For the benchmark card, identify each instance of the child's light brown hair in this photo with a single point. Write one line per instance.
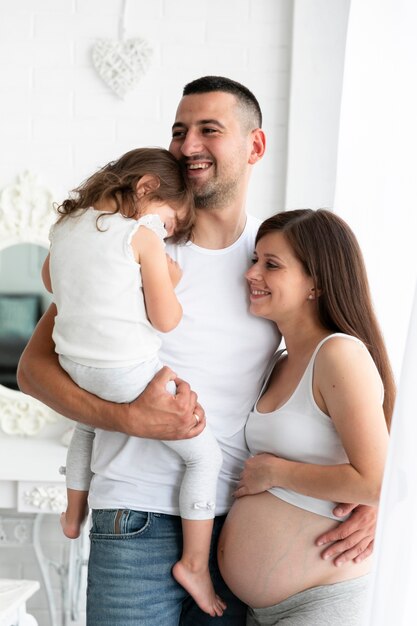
(118, 179)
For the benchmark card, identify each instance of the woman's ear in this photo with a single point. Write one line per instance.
(313, 294)
(146, 184)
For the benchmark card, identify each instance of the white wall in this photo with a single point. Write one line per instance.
(318, 47)
(60, 121)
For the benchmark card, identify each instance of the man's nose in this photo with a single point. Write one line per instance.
(192, 143)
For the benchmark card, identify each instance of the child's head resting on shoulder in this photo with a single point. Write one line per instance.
(130, 184)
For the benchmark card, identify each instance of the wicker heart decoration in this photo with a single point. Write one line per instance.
(121, 63)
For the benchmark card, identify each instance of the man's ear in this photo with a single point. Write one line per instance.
(258, 146)
(146, 184)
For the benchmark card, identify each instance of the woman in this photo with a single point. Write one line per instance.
(318, 434)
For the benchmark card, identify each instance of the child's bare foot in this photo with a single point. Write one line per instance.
(71, 526)
(198, 584)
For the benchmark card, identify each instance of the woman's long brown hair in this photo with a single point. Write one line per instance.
(117, 181)
(330, 254)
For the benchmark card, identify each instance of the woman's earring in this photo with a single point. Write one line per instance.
(310, 297)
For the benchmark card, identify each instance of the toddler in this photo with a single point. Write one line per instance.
(113, 287)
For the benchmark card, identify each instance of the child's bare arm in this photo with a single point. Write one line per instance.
(162, 306)
(46, 276)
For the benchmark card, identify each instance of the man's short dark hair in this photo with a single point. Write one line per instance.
(245, 97)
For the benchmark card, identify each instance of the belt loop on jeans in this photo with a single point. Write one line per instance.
(119, 514)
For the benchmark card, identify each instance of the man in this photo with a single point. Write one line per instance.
(218, 348)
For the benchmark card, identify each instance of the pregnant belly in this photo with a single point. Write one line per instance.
(267, 551)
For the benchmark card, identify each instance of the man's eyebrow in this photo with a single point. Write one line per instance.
(199, 123)
(211, 121)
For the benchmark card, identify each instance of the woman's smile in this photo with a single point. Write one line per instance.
(255, 294)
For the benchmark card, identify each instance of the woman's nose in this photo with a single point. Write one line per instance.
(252, 273)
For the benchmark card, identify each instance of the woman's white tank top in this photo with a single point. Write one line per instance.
(299, 431)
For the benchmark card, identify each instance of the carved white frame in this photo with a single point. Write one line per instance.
(26, 215)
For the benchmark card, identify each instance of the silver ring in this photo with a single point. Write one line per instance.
(197, 419)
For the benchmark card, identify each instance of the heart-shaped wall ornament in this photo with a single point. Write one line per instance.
(121, 63)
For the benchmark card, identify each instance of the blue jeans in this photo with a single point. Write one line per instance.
(129, 573)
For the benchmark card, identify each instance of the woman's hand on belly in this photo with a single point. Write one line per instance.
(259, 474)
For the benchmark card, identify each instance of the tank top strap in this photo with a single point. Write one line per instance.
(307, 377)
(305, 384)
(154, 223)
(275, 358)
(323, 341)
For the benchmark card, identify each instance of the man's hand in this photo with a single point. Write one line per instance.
(156, 414)
(352, 540)
(167, 417)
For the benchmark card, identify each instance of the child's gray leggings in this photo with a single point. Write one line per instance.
(201, 455)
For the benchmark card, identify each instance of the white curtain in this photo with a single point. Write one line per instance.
(376, 192)
(394, 578)
(376, 184)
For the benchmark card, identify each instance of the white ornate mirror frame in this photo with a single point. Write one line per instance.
(26, 215)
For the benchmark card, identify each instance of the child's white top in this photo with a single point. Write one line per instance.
(97, 288)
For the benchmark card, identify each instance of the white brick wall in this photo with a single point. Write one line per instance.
(60, 121)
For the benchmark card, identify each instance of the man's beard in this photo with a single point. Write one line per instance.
(215, 195)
